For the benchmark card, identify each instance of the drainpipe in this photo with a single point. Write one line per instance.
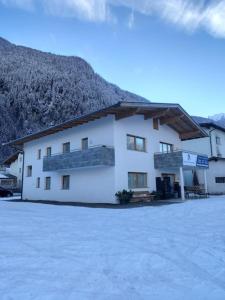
(22, 175)
(210, 139)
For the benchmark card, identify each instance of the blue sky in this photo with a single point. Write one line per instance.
(172, 51)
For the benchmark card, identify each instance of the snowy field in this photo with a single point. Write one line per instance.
(61, 252)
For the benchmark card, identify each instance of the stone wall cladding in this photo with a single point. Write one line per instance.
(168, 160)
(98, 156)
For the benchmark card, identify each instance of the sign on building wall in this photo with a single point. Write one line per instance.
(202, 161)
(194, 160)
(189, 159)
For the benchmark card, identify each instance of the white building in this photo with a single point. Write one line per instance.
(124, 146)
(214, 147)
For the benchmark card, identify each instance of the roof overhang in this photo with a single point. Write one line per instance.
(11, 158)
(169, 114)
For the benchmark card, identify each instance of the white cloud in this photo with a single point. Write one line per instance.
(24, 4)
(130, 22)
(188, 14)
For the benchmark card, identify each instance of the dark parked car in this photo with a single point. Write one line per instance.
(5, 192)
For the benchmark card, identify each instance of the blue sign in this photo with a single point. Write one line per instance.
(202, 161)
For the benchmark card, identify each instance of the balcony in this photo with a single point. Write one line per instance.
(96, 156)
(180, 158)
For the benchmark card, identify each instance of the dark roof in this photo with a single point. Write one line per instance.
(11, 158)
(206, 122)
(171, 114)
(7, 176)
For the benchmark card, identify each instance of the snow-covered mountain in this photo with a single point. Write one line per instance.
(40, 89)
(219, 118)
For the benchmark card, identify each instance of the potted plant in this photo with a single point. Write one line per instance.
(124, 196)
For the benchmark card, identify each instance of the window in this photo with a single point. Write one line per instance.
(135, 143)
(38, 181)
(29, 171)
(20, 170)
(48, 151)
(220, 179)
(47, 183)
(39, 154)
(84, 144)
(66, 147)
(156, 124)
(137, 180)
(218, 140)
(65, 182)
(166, 148)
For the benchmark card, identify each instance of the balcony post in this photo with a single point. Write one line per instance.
(182, 183)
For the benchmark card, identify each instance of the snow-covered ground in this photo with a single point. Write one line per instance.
(73, 253)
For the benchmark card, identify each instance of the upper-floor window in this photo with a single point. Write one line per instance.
(84, 143)
(156, 123)
(137, 180)
(136, 143)
(66, 147)
(38, 182)
(166, 148)
(48, 151)
(39, 154)
(48, 183)
(66, 182)
(29, 171)
(218, 140)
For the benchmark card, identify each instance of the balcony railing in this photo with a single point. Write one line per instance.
(96, 156)
(180, 158)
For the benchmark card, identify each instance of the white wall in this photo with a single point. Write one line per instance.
(135, 161)
(98, 184)
(16, 169)
(216, 169)
(86, 185)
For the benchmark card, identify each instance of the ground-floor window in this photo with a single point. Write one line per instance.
(38, 182)
(220, 179)
(65, 182)
(137, 180)
(47, 183)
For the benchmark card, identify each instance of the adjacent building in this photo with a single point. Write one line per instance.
(13, 167)
(135, 146)
(213, 145)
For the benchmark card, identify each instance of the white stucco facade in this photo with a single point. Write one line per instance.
(16, 168)
(214, 147)
(97, 184)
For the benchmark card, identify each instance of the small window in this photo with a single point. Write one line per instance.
(39, 154)
(48, 151)
(137, 180)
(65, 182)
(29, 171)
(84, 144)
(66, 147)
(135, 143)
(220, 179)
(218, 140)
(166, 148)
(156, 124)
(38, 182)
(20, 170)
(47, 183)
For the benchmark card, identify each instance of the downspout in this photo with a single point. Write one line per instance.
(21, 198)
(210, 139)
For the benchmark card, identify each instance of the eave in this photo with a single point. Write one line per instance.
(169, 114)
